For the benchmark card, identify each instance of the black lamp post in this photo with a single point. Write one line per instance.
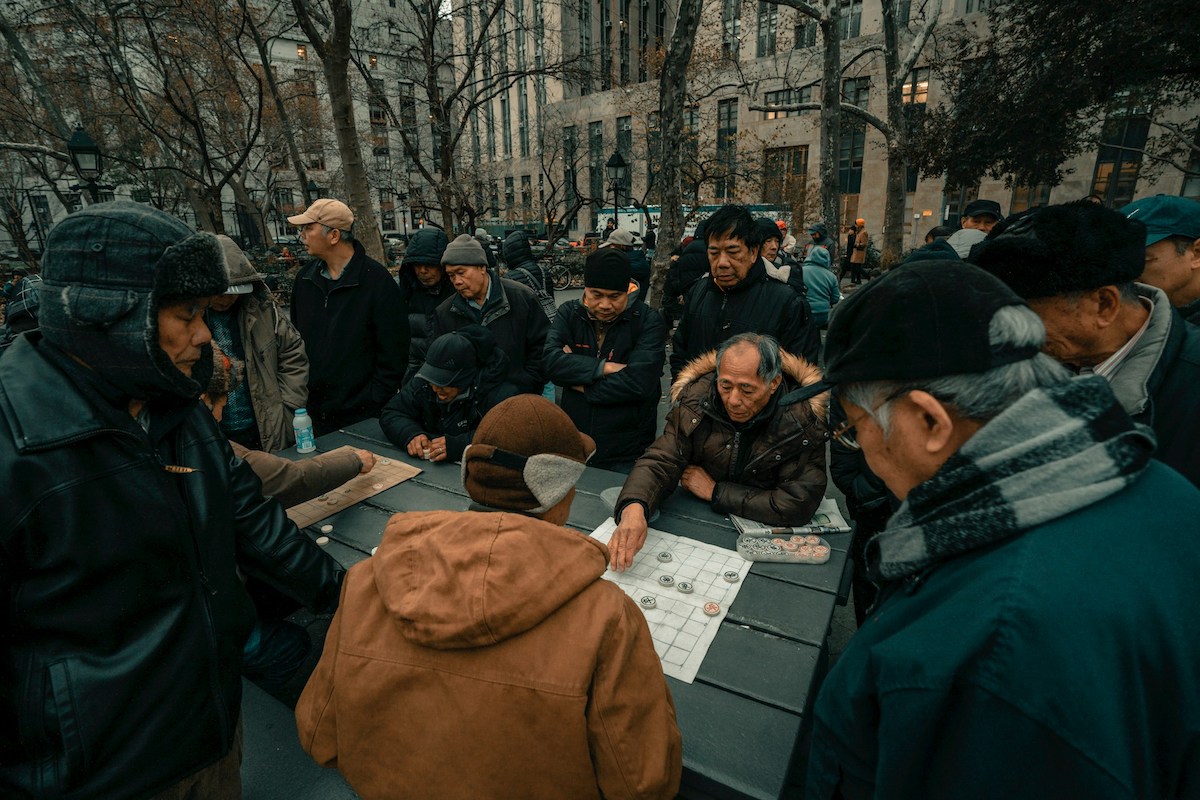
(616, 168)
(403, 198)
(88, 162)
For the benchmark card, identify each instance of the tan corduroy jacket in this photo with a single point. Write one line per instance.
(481, 655)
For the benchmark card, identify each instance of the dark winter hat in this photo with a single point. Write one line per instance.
(926, 319)
(526, 455)
(465, 251)
(1165, 215)
(426, 246)
(1062, 249)
(607, 269)
(977, 208)
(107, 270)
(242, 275)
(451, 361)
(769, 229)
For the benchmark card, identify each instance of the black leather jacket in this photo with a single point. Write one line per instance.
(122, 617)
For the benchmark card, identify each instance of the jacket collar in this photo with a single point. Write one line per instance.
(757, 274)
(351, 274)
(496, 304)
(1138, 376)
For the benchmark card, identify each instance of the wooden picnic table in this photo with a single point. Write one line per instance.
(745, 716)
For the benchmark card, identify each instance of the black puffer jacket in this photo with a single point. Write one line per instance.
(758, 304)
(417, 410)
(122, 616)
(619, 411)
(521, 267)
(691, 266)
(514, 317)
(356, 334)
(426, 246)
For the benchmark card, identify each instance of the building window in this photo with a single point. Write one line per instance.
(954, 201)
(916, 88)
(383, 160)
(850, 157)
(301, 52)
(408, 106)
(605, 46)
(768, 24)
(731, 22)
(851, 19)
(785, 175)
(856, 91)
(804, 34)
(510, 195)
(373, 60)
(505, 124)
(596, 159)
(786, 97)
(527, 195)
(523, 119)
(378, 114)
(624, 42)
(625, 136)
(903, 11)
(585, 46)
(1191, 180)
(1120, 158)
(1027, 197)
(727, 120)
(979, 5)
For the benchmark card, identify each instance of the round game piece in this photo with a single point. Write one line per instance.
(665, 556)
(732, 576)
(820, 551)
(322, 540)
(322, 497)
(791, 547)
(774, 548)
(684, 587)
(426, 453)
(333, 501)
(806, 551)
(798, 539)
(812, 539)
(326, 528)
(647, 602)
(385, 461)
(712, 609)
(377, 486)
(666, 580)
(373, 549)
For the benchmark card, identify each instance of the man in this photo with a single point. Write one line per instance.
(789, 242)
(739, 297)
(21, 311)
(686, 269)
(818, 236)
(630, 243)
(123, 615)
(523, 268)
(481, 654)
(14, 282)
(981, 215)
(349, 312)
(1076, 266)
(851, 235)
(821, 285)
(650, 241)
(1018, 648)
(606, 351)
(508, 309)
(423, 287)
(858, 256)
(778, 264)
(1172, 249)
(436, 413)
(746, 435)
(248, 326)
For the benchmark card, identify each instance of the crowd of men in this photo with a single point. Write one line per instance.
(1013, 410)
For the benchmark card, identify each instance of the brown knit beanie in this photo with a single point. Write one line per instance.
(465, 251)
(526, 455)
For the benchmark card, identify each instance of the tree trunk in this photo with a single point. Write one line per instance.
(672, 99)
(831, 120)
(897, 140)
(893, 214)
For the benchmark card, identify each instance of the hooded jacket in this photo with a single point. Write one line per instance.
(522, 268)
(356, 334)
(823, 290)
(424, 247)
(620, 410)
(823, 240)
(514, 316)
(757, 304)
(778, 479)
(482, 655)
(122, 616)
(691, 266)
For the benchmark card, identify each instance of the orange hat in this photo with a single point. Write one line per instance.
(781, 224)
(860, 222)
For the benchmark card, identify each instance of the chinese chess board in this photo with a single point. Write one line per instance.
(385, 474)
(691, 584)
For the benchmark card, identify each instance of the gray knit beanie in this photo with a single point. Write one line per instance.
(106, 272)
(465, 251)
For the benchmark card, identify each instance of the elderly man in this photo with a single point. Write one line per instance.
(1076, 265)
(348, 309)
(606, 351)
(445, 673)
(1172, 249)
(746, 435)
(630, 244)
(127, 515)
(1028, 640)
(506, 308)
(739, 297)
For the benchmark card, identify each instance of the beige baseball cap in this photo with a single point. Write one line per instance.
(326, 211)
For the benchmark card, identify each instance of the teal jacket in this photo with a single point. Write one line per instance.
(1062, 663)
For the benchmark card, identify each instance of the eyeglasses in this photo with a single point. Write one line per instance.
(844, 435)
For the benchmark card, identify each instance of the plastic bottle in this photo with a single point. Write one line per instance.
(302, 424)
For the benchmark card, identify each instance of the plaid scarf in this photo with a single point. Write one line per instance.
(1052, 452)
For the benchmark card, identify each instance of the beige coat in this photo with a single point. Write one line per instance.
(480, 654)
(276, 367)
(859, 254)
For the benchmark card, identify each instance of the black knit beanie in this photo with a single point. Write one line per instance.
(106, 272)
(607, 269)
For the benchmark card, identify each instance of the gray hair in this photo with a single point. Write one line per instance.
(770, 362)
(981, 396)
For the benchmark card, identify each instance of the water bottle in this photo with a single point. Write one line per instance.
(302, 424)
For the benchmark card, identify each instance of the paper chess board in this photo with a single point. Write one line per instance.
(385, 474)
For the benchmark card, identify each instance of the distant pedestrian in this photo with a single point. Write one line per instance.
(423, 287)
(858, 256)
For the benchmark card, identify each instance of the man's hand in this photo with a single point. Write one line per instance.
(611, 367)
(367, 458)
(698, 482)
(437, 449)
(418, 445)
(567, 348)
(628, 538)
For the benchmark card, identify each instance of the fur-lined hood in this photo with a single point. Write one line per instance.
(796, 371)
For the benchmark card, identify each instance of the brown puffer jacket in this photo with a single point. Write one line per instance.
(783, 478)
(482, 655)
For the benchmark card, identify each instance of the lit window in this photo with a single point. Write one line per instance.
(374, 59)
(301, 51)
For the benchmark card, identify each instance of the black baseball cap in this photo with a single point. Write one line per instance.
(449, 362)
(977, 208)
(925, 319)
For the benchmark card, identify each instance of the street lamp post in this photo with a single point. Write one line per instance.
(616, 168)
(403, 198)
(88, 162)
